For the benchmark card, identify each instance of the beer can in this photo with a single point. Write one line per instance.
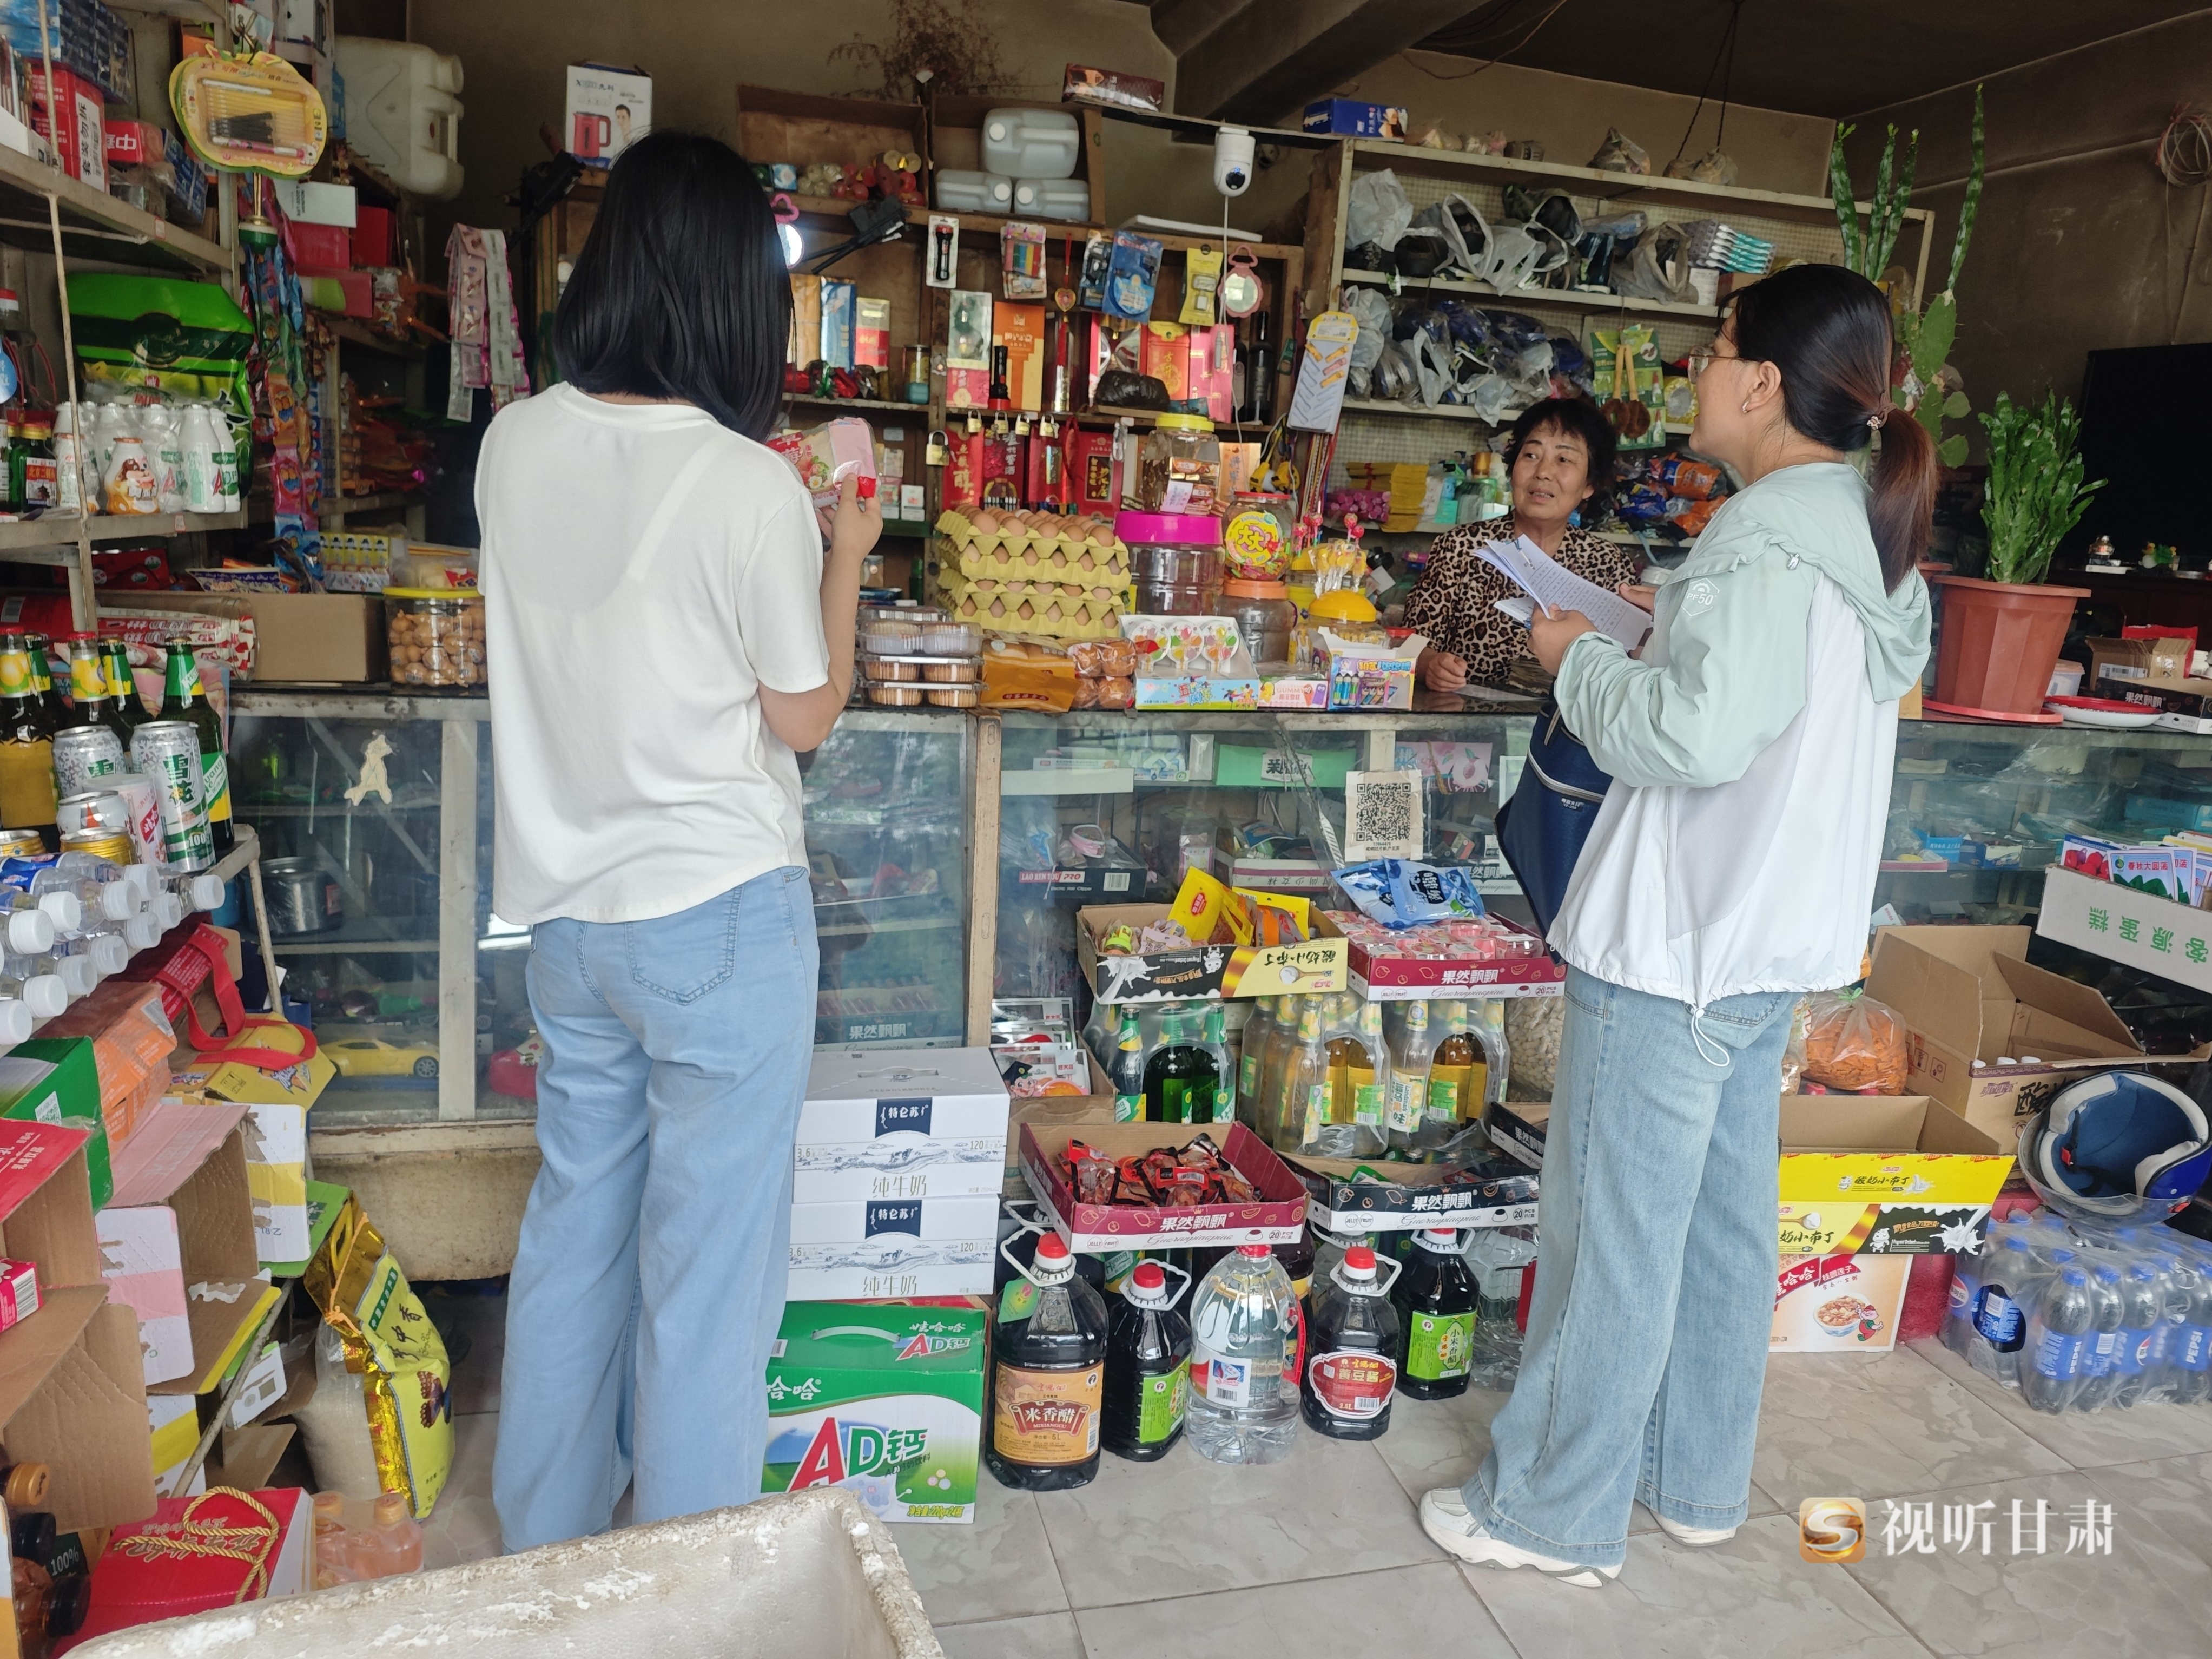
(115, 846)
(142, 813)
(22, 844)
(168, 751)
(96, 812)
(85, 757)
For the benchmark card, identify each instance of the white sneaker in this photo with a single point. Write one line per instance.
(1445, 1518)
(1696, 1537)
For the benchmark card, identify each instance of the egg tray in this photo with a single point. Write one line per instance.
(1082, 565)
(952, 584)
(1013, 532)
(1038, 613)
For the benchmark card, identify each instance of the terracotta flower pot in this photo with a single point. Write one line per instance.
(2000, 642)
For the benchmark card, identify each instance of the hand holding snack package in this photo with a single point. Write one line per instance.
(1853, 1044)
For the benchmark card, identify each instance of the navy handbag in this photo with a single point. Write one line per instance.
(1542, 829)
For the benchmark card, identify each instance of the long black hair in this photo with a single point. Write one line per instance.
(1574, 417)
(681, 290)
(1827, 330)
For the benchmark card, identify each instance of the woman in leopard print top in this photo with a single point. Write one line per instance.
(1560, 458)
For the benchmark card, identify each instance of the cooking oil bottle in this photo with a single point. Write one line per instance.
(1358, 1083)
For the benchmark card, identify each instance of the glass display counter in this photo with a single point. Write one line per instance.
(375, 816)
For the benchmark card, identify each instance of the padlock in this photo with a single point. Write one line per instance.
(936, 451)
(1021, 426)
(975, 424)
(1048, 429)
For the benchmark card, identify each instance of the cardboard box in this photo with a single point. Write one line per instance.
(82, 144)
(2166, 660)
(174, 1140)
(866, 1248)
(144, 1268)
(306, 202)
(1837, 1303)
(1213, 971)
(275, 1132)
(134, 1585)
(1367, 676)
(175, 1423)
(1883, 1175)
(2161, 936)
(57, 1080)
(1278, 1218)
(324, 1200)
(1518, 1127)
(225, 1296)
(886, 1402)
(607, 111)
(1493, 1193)
(46, 1204)
(1420, 978)
(1969, 994)
(323, 638)
(891, 1124)
(1349, 118)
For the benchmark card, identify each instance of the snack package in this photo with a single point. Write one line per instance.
(1131, 276)
(1402, 893)
(1854, 1044)
(823, 455)
(1027, 677)
(1687, 477)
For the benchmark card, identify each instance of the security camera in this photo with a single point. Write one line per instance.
(1232, 160)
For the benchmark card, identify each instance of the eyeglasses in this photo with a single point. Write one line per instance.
(1710, 354)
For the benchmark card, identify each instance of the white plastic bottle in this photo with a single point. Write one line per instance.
(128, 485)
(165, 443)
(1243, 1400)
(41, 995)
(225, 434)
(203, 475)
(68, 461)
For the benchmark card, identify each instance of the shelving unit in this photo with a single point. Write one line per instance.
(1580, 298)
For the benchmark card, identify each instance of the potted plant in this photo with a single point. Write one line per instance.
(2002, 635)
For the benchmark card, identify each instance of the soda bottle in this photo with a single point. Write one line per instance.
(1958, 1314)
(2059, 1324)
(28, 800)
(1243, 1409)
(1346, 1393)
(1180, 1077)
(42, 677)
(1251, 1055)
(1436, 1296)
(2139, 1356)
(1147, 1367)
(87, 685)
(184, 699)
(1126, 1073)
(1411, 1058)
(1465, 1065)
(2100, 1375)
(1050, 1344)
(2189, 1338)
(1213, 1035)
(127, 709)
(1999, 1321)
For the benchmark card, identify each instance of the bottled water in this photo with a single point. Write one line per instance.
(2100, 1361)
(2059, 1326)
(2140, 1356)
(1243, 1402)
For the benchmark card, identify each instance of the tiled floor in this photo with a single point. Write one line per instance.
(1320, 1555)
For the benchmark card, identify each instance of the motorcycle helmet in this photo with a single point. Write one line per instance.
(2120, 1147)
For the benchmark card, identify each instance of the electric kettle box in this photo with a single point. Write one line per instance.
(901, 1124)
(608, 110)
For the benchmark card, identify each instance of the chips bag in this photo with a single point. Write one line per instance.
(1854, 1044)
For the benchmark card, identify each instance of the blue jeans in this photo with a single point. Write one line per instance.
(648, 1284)
(1646, 1348)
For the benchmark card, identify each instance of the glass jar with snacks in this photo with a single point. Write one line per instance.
(1174, 562)
(1256, 537)
(1265, 617)
(1178, 469)
(436, 637)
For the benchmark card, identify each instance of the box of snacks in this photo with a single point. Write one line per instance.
(1480, 956)
(1213, 941)
(1353, 1195)
(1131, 1186)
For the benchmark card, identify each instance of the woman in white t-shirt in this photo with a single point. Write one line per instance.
(664, 633)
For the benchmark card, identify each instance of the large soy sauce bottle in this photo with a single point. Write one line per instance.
(1346, 1392)
(1147, 1367)
(1050, 1353)
(1436, 1299)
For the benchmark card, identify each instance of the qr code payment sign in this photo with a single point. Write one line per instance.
(1381, 815)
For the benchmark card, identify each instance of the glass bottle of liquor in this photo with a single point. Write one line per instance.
(1259, 374)
(42, 676)
(183, 698)
(27, 743)
(126, 709)
(88, 686)
(1180, 1077)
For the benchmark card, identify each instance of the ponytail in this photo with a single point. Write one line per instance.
(1826, 330)
(1903, 480)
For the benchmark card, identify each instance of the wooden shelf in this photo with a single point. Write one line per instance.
(1581, 298)
(21, 539)
(189, 11)
(1705, 200)
(883, 406)
(96, 226)
(351, 506)
(1426, 412)
(354, 332)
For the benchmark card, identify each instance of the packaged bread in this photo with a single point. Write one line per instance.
(1030, 676)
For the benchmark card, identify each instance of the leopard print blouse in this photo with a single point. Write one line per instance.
(1455, 603)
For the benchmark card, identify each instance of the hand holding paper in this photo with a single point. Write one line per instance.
(1555, 587)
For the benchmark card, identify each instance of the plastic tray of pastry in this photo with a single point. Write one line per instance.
(908, 633)
(911, 693)
(936, 670)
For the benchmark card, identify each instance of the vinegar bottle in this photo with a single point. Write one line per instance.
(1049, 1383)
(1147, 1369)
(1436, 1296)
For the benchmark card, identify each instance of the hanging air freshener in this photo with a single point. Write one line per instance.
(1242, 292)
(1201, 281)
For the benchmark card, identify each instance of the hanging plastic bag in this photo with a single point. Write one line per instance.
(1659, 269)
(1376, 211)
(1853, 1044)
(1793, 1055)
(1371, 308)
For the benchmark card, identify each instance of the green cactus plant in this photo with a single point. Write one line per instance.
(1924, 336)
(2035, 492)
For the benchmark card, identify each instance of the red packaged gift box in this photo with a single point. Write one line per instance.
(214, 1551)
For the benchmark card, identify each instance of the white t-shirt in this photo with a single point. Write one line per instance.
(645, 570)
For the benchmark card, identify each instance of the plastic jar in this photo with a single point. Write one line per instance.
(1256, 537)
(436, 636)
(1266, 619)
(1178, 469)
(1174, 562)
